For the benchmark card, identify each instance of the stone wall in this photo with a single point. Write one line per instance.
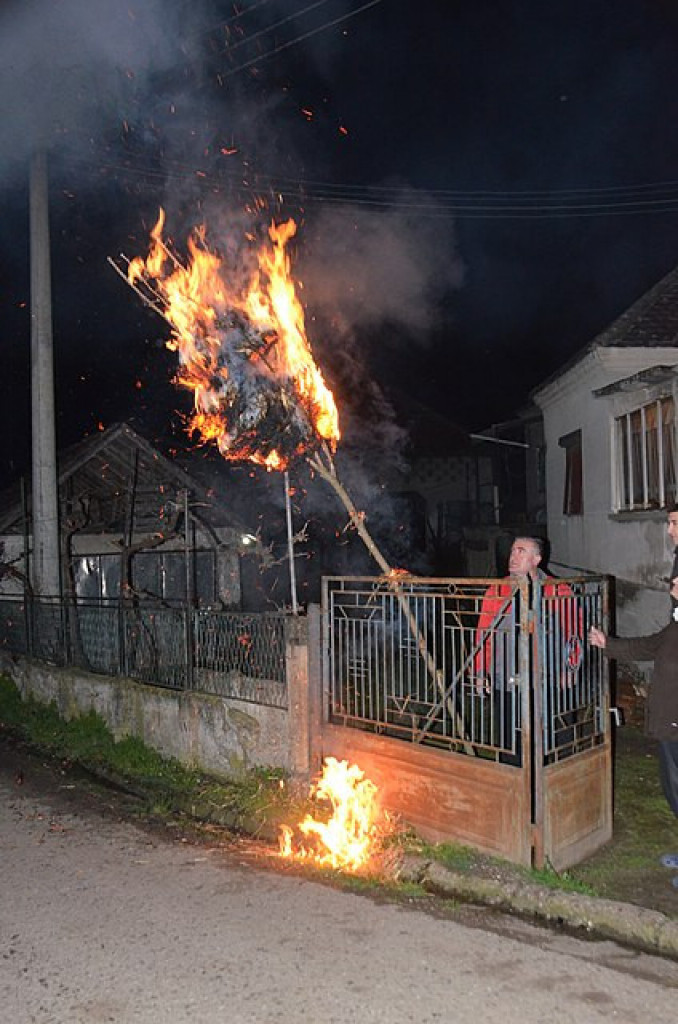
(218, 735)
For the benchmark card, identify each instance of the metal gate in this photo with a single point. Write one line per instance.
(477, 706)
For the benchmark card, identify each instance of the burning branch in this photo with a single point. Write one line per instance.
(328, 472)
(156, 306)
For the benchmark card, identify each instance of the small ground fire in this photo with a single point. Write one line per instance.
(352, 834)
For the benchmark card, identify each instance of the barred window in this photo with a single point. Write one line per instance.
(645, 456)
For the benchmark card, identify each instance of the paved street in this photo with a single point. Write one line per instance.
(101, 921)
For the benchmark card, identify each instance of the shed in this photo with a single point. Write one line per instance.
(129, 516)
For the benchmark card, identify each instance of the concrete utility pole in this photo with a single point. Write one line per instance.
(45, 566)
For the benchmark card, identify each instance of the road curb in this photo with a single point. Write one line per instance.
(646, 930)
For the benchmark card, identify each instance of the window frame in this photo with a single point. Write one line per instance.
(643, 441)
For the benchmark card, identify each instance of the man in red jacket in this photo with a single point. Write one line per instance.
(495, 664)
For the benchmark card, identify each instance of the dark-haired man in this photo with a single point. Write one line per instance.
(662, 703)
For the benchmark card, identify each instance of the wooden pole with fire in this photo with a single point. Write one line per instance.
(258, 394)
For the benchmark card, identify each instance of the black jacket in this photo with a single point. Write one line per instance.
(662, 702)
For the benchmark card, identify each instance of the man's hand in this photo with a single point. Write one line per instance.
(597, 638)
(481, 685)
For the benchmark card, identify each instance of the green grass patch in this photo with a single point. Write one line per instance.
(169, 785)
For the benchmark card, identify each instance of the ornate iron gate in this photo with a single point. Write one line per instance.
(496, 671)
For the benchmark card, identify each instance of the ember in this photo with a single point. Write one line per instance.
(243, 350)
(352, 834)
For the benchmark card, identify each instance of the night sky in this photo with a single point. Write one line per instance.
(480, 187)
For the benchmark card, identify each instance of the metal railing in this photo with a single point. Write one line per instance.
(467, 665)
(231, 654)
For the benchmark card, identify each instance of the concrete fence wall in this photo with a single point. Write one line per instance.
(219, 735)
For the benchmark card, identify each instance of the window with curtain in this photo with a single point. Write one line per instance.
(645, 456)
(573, 496)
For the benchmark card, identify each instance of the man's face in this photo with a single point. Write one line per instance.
(525, 557)
(672, 527)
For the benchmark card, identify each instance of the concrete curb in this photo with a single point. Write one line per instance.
(646, 930)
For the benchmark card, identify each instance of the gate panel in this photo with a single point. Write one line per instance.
(573, 772)
(577, 807)
(446, 797)
(502, 704)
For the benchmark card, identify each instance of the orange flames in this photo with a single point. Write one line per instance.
(234, 339)
(351, 835)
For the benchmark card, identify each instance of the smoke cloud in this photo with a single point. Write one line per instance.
(392, 265)
(68, 67)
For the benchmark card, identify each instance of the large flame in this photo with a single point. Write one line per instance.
(242, 347)
(352, 833)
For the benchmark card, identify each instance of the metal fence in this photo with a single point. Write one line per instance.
(231, 654)
(467, 665)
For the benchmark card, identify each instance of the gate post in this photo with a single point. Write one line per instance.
(316, 703)
(535, 760)
(296, 671)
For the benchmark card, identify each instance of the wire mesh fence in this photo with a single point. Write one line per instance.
(229, 654)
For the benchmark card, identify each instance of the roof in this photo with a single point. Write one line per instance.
(651, 322)
(101, 469)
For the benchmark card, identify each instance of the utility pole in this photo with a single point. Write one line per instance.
(45, 506)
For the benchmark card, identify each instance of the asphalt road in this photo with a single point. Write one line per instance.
(105, 921)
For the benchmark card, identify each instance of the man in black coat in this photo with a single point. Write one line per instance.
(662, 706)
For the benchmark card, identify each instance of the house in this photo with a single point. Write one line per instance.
(610, 434)
(516, 452)
(445, 483)
(129, 516)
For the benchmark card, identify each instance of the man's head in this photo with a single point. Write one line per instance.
(672, 523)
(526, 555)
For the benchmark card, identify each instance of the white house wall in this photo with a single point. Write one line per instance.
(633, 547)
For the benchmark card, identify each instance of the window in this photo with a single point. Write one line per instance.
(573, 503)
(645, 456)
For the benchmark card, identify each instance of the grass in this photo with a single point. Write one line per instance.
(248, 803)
(628, 867)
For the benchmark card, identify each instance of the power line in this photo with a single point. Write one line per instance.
(298, 39)
(348, 189)
(464, 205)
(236, 17)
(269, 28)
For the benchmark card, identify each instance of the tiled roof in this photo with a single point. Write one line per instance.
(652, 320)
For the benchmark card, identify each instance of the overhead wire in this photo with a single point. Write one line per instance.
(238, 16)
(269, 28)
(298, 39)
(431, 203)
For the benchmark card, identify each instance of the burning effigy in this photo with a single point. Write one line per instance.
(242, 347)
